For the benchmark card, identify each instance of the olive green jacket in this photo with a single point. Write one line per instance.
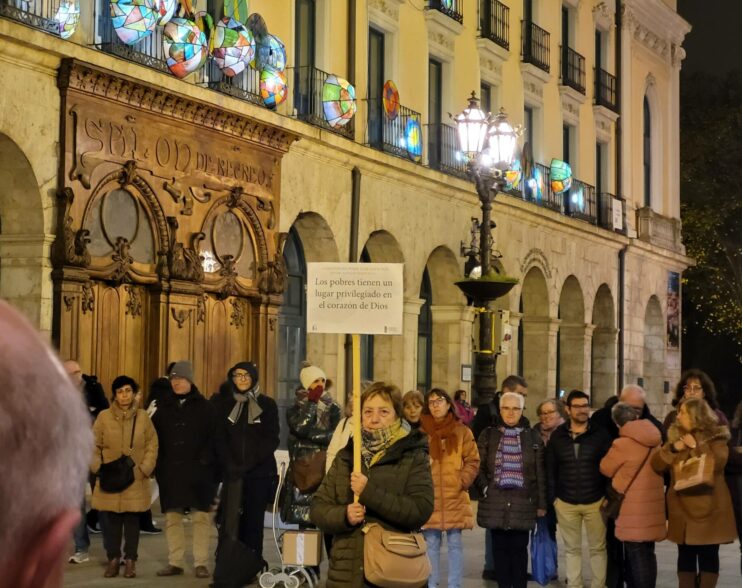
(398, 496)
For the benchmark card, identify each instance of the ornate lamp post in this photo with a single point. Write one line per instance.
(488, 144)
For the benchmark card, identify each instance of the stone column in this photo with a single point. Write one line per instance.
(408, 379)
(575, 355)
(604, 347)
(452, 327)
(539, 359)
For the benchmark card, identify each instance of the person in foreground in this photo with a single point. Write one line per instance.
(395, 488)
(46, 442)
(700, 518)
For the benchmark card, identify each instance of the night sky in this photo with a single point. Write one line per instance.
(715, 43)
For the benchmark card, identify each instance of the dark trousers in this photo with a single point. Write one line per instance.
(614, 577)
(116, 524)
(698, 558)
(510, 551)
(256, 494)
(640, 564)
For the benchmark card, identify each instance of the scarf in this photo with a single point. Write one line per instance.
(253, 408)
(375, 443)
(442, 434)
(509, 460)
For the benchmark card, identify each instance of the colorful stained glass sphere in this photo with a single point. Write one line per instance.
(270, 53)
(390, 99)
(165, 10)
(513, 175)
(413, 138)
(237, 9)
(338, 101)
(133, 20)
(185, 45)
(67, 17)
(577, 198)
(561, 176)
(535, 185)
(273, 87)
(232, 46)
(447, 4)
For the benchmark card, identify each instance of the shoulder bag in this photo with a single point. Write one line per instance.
(394, 560)
(695, 473)
(611, 506)
(117, 475)
(309, 470)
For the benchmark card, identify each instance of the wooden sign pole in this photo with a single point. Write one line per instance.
(356, 339)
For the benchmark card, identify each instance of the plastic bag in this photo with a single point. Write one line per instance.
(543, 553)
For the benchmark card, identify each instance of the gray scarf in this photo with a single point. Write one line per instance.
(253, 408)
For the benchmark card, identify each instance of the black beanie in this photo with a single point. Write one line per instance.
(249, 367)
(122, 381)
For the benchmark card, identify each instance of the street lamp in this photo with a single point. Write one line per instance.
(488, 144)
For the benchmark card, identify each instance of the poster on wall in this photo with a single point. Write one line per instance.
(673, 310)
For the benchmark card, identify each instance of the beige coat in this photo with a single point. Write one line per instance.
(112, 432)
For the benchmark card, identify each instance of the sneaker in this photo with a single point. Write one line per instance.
(79, 557)
(151, 531)
(94, 529)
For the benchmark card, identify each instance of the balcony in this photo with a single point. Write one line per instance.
(605, 90)
(573, 69)
(38, 14)
(452, 8)
(394, 135)
(495, 22)
(579, 202)
(308, 84)
(535, 47)
(659, 230)
(610, 213)
(443, 153)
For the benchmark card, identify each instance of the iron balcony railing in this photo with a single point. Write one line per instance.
(451, 8)
(38, 14)
(443, 150)
(607, 205)
(245, 85)
(605, 89)
(494, 22)
(535, 47)
(573, 69)
(393, 135)
(308, 84)
(579, 202)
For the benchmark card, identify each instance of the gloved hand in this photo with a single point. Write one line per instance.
(315, 393)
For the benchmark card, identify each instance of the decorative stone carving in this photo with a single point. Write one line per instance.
(180, 316)
(536, 257)
(237, 318)
(122, 261)
(272, 323)
(69, 301)
(134, 303)
(229, 277)
(184, 263)
(73, 246)
(201, 309)
(603, 12)
(272, 278)
(87, 302)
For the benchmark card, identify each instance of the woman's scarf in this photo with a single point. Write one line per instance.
(509, 459)
(375, 443)
(253, 408)
(442, 434)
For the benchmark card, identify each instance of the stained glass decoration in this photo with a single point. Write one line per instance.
(185, 45)
(391, 100)
(413, 139)
(535, 185)
(338, 101)
(133, 20)
(273, 87)
(256, 25)
(561, 176)
(165, 10)
(513, 175)
(447, 4)
(577, 198)
(67, 17)
(270, 53)
(232, 46)
(237, 9)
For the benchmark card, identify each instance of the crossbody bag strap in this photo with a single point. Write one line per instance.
(133, 426)
(636, 473)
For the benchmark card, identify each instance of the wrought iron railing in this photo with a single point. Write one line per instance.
(393, 135)
(245, 85)
(573, 69)
(605, 89)
(308, 84)
(579, 202)
(38, 14)
(494, 22)
(451, 8)
(443, 150)
(535, 47)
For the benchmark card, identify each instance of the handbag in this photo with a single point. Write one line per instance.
(394, 560)
(611, 505)
(309, 470)
(695, 473)
(117, 475)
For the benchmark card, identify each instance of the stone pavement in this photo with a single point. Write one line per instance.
(153, 556)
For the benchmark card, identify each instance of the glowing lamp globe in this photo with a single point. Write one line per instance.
(472, 125)
(501, 141)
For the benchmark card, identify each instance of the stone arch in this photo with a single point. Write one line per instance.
(604, 347)
(536, 338)
(573, 339)
(654, 354)
(24, 246)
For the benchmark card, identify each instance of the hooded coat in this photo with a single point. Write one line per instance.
(642, 516)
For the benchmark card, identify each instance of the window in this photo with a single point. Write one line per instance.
(600, 151)
(567, 137)
(375, 85)
(528, 119)
(425, 336)
(435, 107)
(599, 54)
(647, 136)
(304, 55)
(485, 91)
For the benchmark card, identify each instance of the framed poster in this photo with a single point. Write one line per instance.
(673, 310)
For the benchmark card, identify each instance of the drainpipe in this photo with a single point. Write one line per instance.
(619, 187)
(355, 208)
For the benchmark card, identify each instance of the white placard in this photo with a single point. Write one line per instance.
(617, 214)
(356, 298)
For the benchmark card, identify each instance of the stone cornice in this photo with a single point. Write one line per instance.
(657, 27)
(107, 85)
(603, 14)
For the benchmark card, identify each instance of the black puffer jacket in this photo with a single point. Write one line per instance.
(512, 508)
(573, 465)
(95, 397)
(602, 417)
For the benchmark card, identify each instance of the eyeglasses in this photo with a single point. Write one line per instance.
(546, 412)
(510, 409)
(579, 406)
(436, 401)
(693, 388)
(241, 376)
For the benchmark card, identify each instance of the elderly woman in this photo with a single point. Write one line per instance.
(455, 464)
(412, 407)
(700, 518)
(549, 418)
(641, 520)
(514, 472)
(123, 429)
(695, 383)
(394, 487)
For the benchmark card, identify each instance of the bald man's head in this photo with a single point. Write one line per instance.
(634, 396)
(46, 444)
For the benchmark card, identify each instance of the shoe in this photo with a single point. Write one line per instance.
(202, 572)
(170, 570)
(489, 575)
(151, 531)
(130, 571)
(79, 557)
(113, 568)
(94, 529)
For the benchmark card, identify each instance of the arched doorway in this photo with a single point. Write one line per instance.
(537, 332)
(603, 352)
(654, 355)
(571, 339)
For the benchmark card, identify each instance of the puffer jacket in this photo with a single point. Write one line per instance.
(112, 434)
(699, 517)
(452, 474)
(511, 509)
(642, 516)
(573, 465)
(398, 496)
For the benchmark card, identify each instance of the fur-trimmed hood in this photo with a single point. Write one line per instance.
(719, 433)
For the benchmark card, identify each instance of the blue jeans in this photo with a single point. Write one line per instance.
(433, 538)
(80, 534)
(489, 558)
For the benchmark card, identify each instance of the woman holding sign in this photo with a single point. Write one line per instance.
(394, 487)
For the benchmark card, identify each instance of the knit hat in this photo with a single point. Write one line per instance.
(249, 367)
(309, 374)
(182, 369)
